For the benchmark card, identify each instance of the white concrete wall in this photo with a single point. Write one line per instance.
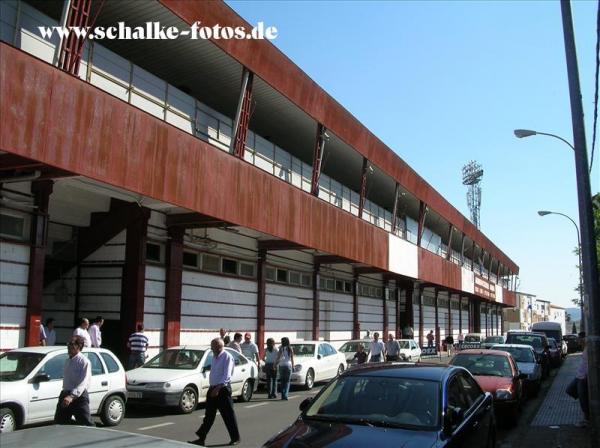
(154, 307)
(288, 312)
(336, 316)
(14, 276)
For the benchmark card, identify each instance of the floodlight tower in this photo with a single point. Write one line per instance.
(472, 173)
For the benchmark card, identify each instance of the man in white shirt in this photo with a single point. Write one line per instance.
(47, 333)
(377, 348)
(74, 399)
(82, 331)
(95, 333)
(250, 349)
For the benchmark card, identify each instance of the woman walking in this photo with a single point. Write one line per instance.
(270, 359)
(285, 361)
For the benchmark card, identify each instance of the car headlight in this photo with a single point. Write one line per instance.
(503, 394)
(158, 385)
(298, 368)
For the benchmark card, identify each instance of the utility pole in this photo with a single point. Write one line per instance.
(588, 246)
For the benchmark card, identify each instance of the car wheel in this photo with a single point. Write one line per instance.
(8, 422)
(246, 394)
(188, 400)
(113, 411)
(340, 370)
(309, 382)
(409, 359)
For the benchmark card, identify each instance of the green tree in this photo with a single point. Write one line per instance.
(574, 329)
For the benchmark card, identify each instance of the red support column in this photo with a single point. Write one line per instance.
(355, 322)
(37, 255)
(449, 314)
(134, 275)
(261, 301)
(363, 187)
(460, 314)
(316, 312)
(437, 323)
(421, 325)
(174, 262)
(410, 315)
(398, 321)
(242, 120)
(386, 324)
(317, 160)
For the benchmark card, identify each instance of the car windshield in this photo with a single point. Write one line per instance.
(519, 354)
(525, 339)
(303, 349)
(472, 339)
(379, 401)
(176, 359)
(483, 365)
(348, 347)
(404, 344)
(494, 339)
(15, 366)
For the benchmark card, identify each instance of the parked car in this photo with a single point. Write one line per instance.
(178, 377)
(351, 347)
(409, 350)
(538, 342)
(496, 372)
(490, 341)
(31, 381)
(555, 353)
(395, 405)
(572, 341)
(527, 364)
(314, 361)
(472, 340)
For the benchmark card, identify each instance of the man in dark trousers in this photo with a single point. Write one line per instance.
(74, 399)
(218, 396)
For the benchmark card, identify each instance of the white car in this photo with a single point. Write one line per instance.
(314, 361)
(409, 350)
(351, 347)
(31, 381)
(178, 377)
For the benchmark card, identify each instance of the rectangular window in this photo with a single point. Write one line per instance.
(330, 284)
(306, 280)
(247, 270)
(12, 226)
(153, 252)
(229, 266)
(294, 278)
(270, 274)
(190, 259)
(210, 263)
(282, 275)
(348, 287)
(322, 283)
(339, 285)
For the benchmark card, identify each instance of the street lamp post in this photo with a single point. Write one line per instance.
(544, 213)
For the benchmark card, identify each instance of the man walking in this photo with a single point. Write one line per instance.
(218, 396)
(137, 345)
(47, 333)
(74, 399)
(377, 348)
(224, 336)
(250, 349)
(95, 333)
(82, 331)
(236, 343)
(392, 349)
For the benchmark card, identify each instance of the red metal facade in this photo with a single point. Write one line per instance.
(275, 68)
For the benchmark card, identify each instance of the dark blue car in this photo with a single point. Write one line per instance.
(399, 405)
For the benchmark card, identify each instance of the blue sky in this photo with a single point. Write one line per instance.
(442, 83)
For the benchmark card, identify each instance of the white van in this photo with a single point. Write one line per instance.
(550, 329)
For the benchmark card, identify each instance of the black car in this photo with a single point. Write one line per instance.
(537, 341)
(400, 405)
(572, 341)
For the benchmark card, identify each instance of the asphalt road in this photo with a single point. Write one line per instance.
(258, 420)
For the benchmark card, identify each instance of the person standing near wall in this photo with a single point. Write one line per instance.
(224, 336)
(285, 361)
(82, 331)
(430, 339)
(236, 343)
(270, 368)
(377, 348)
(95, 333)
(74, 399)
(392, 349)
(250, 349)
(137, 345)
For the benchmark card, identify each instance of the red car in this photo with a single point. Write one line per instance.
(496, 372)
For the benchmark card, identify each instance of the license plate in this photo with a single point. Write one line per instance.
(134, 394)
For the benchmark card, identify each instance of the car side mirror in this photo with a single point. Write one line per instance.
(41, 378)
(305, 404)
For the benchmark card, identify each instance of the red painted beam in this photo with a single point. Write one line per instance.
(272, 245)
(243, 114)
(316, 306)
(331, 259)
(385, 314)
(174, 268)
(421, 323)
(38, 237)
(9, 162)
(193, 220)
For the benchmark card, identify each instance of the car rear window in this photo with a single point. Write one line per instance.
(483, 365)
(111, 364)
(526, 339)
